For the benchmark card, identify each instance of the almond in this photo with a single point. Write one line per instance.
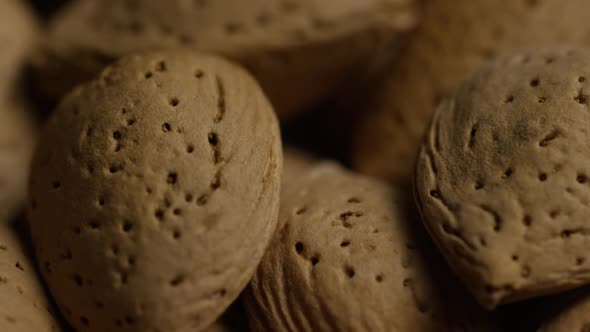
(286, 44)
(353, 258)
(451, 43)
(155, 191)
(502, 178)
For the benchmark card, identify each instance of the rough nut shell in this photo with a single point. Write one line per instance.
(450, 44)
(350, 256)
(502, 179)
(24, 306)
(154, 193)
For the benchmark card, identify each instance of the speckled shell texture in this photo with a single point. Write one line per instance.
(154, 193)
(286, 44)
(352, 258)
(451, 43)
(502, 179)
(24, 306)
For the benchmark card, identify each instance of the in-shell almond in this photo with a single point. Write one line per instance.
(286, 44)
(154, 193)
(352, 258)
(502, 178)
(24, 306)
(451, 43)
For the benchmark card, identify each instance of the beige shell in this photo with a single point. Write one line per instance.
(154, 193)
(452, 42)
(286, 44)
(502, 179)
(24, 306)
(575, 318)
(352, 258)
(17, 34)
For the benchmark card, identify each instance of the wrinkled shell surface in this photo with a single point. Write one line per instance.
(286, 44)
(24, 306)
(450, 44)
(351, 259)
(154, 193)
(502, 179)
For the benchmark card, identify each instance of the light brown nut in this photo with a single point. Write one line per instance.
(352, 258)
(502, 179)
(451, 43)
(17, 34)
(154, 193)
(24, 306)
(286, 44)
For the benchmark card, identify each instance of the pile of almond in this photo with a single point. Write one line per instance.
(295, 165)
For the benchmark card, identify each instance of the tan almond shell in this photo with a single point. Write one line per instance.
(300, 51)
(502, 176)
(451, 43)
(154, 193)
(17, 33)
(351, 258)
(574, 318)
(24, 305)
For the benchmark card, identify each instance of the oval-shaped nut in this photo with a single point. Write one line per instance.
(450, 44)
(502, 178)
(156, 193)
(17, 33)
(286, 44)
(24, 305)
(352, 258)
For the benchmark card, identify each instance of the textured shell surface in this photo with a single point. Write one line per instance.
(24, 305)
(450, 44)
(154, 193)
(502, 178)
(352, 258)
